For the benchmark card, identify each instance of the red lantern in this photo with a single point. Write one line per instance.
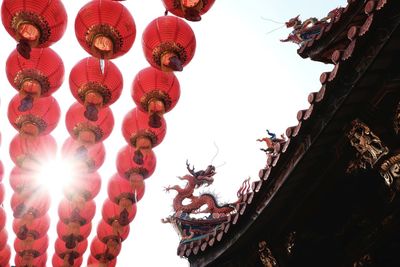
(168, 43)
(5, 255)
(34, 23)
(119, 188)
(22, 180)
(85, 158)
(188, 9)
(39, 119)
(29, 260)
(30, 246)
(81, 213)
(86, 131)
(62, 251)
(34, 204)
(35, 228)
(105, 252)
(2, 191)
(57, 261)
(93, 87)
(2, 218)
(105, 29)
(1, 171)
(85, 187)
(40, 76)
(138, 133)
(128, 168)
(155, 92)
(93, 262)
(31, 153)
(3, 239)
(73, 233)
(105, 232)
(124, 212)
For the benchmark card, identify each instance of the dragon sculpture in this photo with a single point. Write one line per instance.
(189, 226)
(308, 29)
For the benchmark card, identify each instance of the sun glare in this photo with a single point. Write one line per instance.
(55, 175)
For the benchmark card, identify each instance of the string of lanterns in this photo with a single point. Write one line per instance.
(36, 72)
(106, 30)
(5, 251)
(34, 113)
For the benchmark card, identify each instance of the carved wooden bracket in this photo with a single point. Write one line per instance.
(396, 120)
(364, 261)
(266, 256)
(368, 145)
(390, 169)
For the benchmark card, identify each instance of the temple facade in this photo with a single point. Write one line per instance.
(328, 195)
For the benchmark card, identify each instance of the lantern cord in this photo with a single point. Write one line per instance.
(221, 165)
(271, 20)
(166, 13)
(271, 31)
(102, 65)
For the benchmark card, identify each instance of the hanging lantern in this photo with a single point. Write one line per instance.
(93, 262)
(155, 92)
(40, 76)
(119, 188)
(1, 171)
(105, 29)
(124, 212)
(129, 169)
(104, 252)
(2, 218)
(34, 23)
(34, 204)
(31, 247)
(39, 119)
(81, 213)
(105, 232)
(73, 232)
(70, 254)
(2, 191)
(31, 153)
(85, 158)
(22, 180)
(35, 228)
(95, 87)
(57, 261)
(138, 133)
(85, 187)
(168, 43)
(86, 131)
(29, 260)
(3, 239)
(5, 255)
(188, 9)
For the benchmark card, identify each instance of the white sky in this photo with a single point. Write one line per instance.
(240, 82)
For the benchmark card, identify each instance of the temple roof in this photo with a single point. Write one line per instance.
(354, 40)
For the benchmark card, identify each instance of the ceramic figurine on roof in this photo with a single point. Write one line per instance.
(203, 215)
(271, 141)
(308, 29)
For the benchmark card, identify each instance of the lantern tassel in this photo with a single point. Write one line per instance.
(175, 63)
(138, 157)
(24, 49)
(26, 103)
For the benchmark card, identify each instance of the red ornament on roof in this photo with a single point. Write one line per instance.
(155, 92)
(40, 76)
(188, 9)
(105, 29)
(34, 23)
(168, 43)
